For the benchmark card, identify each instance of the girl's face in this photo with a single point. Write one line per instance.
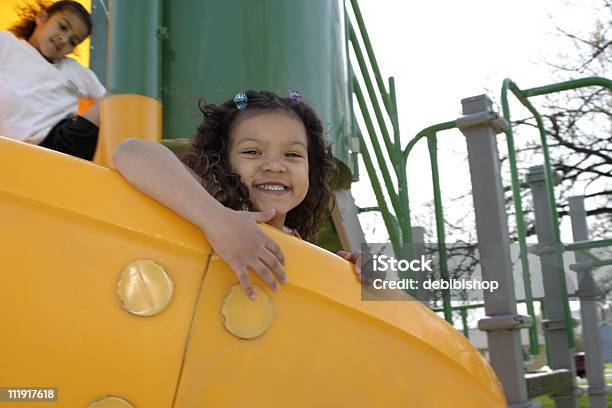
(57, 35)
(269, 150)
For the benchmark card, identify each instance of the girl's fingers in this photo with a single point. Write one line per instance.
(276, 250)
(343, 254)
(271, 261)
(245, 282)
(264, 273)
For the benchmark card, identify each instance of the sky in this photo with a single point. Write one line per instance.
(442, 51)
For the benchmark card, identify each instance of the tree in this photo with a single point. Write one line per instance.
(579, 124)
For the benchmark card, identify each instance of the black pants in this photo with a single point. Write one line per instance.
(74, 136)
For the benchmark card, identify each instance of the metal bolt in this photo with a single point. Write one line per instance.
(144, 288)
(246, 318)
(110, 402)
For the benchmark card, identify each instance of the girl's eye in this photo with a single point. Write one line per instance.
(294, 154)
(250, 152)
(62, 27)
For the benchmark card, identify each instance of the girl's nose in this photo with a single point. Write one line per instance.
(273, 164)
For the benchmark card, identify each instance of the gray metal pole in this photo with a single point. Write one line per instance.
(588, 293)
(561, 356)
(502, 322)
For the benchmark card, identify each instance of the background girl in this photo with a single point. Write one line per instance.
(40, 87)
(256, 158)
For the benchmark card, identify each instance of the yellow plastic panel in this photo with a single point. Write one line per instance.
(8, 17)
(326, 348)
(124, 116)
(68, 229)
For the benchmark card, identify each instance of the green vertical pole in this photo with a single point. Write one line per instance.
(546, 341)
(134, 64)
(432, 144)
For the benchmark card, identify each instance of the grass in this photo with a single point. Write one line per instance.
(583, 400)
(548, 402)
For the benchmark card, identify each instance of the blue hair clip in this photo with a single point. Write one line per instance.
(241, 100)
(294, 95)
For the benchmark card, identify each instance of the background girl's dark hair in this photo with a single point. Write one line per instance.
(28, 11)
(208, 156)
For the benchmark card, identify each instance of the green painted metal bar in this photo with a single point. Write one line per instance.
(367, 209)
(134, 64)
(377, 150)
(394, 117)
(466, 329)
(393, 233)
(462, 307)
(371, 56)
(520, 220)
(402, 177)
(404, 201)
(509, 84)
(568, 85)
(424, 133)
(476, 306)
(546, 339)
(432, 144)
(391, 148)
(582, 245)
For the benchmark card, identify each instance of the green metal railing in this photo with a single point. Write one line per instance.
(399, 226)
(522, 96)
(400, 233)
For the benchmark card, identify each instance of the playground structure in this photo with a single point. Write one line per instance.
(480, 125)
(431, 350)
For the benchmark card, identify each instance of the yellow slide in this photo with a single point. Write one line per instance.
(118, 302)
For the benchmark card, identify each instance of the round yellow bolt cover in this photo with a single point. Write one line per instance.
(144, 288)
(110, 402)
(246, 318)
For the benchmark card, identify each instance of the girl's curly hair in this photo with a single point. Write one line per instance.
(208, 156)
(28, 11)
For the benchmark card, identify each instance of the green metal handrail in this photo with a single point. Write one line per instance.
(394, 234)
(515, 185)
(523, 96)
(402, 238)
(371, 55)
(581, 245)
(399, 226)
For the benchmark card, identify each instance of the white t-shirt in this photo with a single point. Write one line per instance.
(36, 94)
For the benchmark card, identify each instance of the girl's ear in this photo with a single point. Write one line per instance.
(42, 17)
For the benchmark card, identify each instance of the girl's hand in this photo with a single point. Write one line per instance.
(234, 235)
(354, 257)
(236, 238)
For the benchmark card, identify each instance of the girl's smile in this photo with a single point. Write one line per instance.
(268, 149)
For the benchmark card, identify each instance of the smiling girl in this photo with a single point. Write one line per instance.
(256, 158)
(40, 86)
